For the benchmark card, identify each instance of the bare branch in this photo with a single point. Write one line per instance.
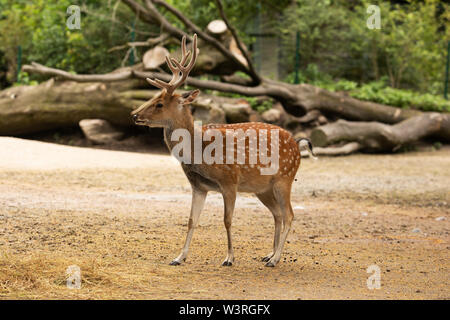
(234, 79)
(140, 11)
(309, 117)
(109, 77)
(114, 20)
(133, 51)
(121, 47)
(163, 22)
(206, 37)
(161, 39)
(236, 38)
(276, 92)
(261, 90)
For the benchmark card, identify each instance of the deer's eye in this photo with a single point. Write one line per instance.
(159, 105)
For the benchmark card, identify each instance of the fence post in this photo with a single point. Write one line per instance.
(297, 56)
(19, 62)
(257, 45)
(132, 52)
(446, 71)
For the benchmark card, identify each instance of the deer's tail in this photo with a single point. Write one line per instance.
(308, 146)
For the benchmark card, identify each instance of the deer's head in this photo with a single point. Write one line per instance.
(166, 106)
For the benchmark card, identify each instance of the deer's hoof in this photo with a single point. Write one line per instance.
(270, 264)
(174, 263)
(266, 258)
(227, 263)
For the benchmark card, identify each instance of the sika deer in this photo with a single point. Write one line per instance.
(170, 111)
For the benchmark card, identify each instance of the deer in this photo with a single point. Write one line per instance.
(171, 111)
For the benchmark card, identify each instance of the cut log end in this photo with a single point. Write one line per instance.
(217, 27)
(155, 57)
(319, 137)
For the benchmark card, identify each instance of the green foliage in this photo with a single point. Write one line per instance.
(312, 75)
(24, 79)
(324, 33)
(39, 27)
(13, 33)
(264, 106)
(337, 51)
(345, 85)
(410, 47)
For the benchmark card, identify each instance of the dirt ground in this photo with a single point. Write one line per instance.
(122, 217)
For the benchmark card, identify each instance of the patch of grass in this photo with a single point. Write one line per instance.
(437, 145)
(24, 79)
(43, 276)
(258, 105)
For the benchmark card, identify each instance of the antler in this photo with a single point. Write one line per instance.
(180, 71)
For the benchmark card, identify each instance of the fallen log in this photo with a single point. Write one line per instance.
(296, 99)
(345, 149)
(52, 105)
(306, 97)
(379, 137)
(100, 131)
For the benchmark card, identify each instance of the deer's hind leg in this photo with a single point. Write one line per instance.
(282, 193)
(229, 199)
(269, 200)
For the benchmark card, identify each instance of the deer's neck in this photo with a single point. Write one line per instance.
(186, 122)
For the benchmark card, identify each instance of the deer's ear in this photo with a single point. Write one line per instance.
(189, 97)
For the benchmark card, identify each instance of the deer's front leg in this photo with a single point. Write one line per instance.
(198, 200)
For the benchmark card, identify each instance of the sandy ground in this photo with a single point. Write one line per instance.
(122, 217)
